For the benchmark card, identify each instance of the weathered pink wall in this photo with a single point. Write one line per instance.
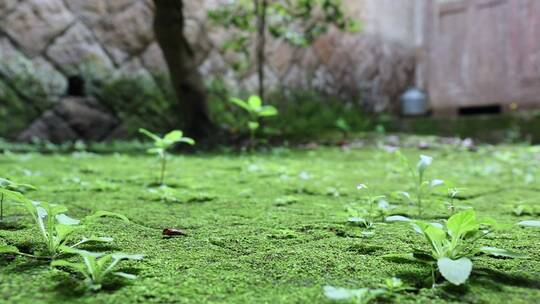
(481, 53)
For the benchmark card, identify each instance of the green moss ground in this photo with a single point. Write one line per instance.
(259, 233)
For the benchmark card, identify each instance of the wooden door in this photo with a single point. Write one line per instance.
(525, 44)
(482, 54)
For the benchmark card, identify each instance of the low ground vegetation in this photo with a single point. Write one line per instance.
(285, 225)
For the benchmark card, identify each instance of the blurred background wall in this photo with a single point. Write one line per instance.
(48, 47)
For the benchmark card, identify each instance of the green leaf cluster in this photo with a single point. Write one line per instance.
(12, 191)
(256, 110)
(374, 208)
(454, 245)
(387, 291)
(96, 267)
(417, 174)
(163, 144)
(57, 231)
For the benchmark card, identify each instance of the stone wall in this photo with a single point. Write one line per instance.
(49, 41)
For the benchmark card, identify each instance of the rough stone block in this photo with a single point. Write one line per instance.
(126, 33)
(153, 59)
(71, 119)
(89, 11)
(6, 6)
(35, 23)
(76, 48)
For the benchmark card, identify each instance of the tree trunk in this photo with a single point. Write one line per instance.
(260, 13)
(185, 78)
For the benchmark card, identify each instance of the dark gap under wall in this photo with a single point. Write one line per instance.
(480, 110)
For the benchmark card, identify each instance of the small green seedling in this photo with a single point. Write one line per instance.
(161, 145)
(358, 296)
(286, 200)
(452, 193)
(104, 186)
(387, 292)
(56, 228)
(9, 190)
(343, 126)
(97, 267)
(525, 209)
(333, 191)
(394, 285)
(377, 207)
(421, 186)
(165, 194)
(454, 245)
(256, 111)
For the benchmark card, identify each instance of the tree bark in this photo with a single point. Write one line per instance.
(191, 105)
(260, 12)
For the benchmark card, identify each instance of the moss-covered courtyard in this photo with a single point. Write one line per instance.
(270, 227)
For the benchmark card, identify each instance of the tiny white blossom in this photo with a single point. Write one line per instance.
(425, 161)
(405, 194)
(436, 182)
(361, 186)
(305, 175)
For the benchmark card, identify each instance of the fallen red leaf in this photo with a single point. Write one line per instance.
(171, 232)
